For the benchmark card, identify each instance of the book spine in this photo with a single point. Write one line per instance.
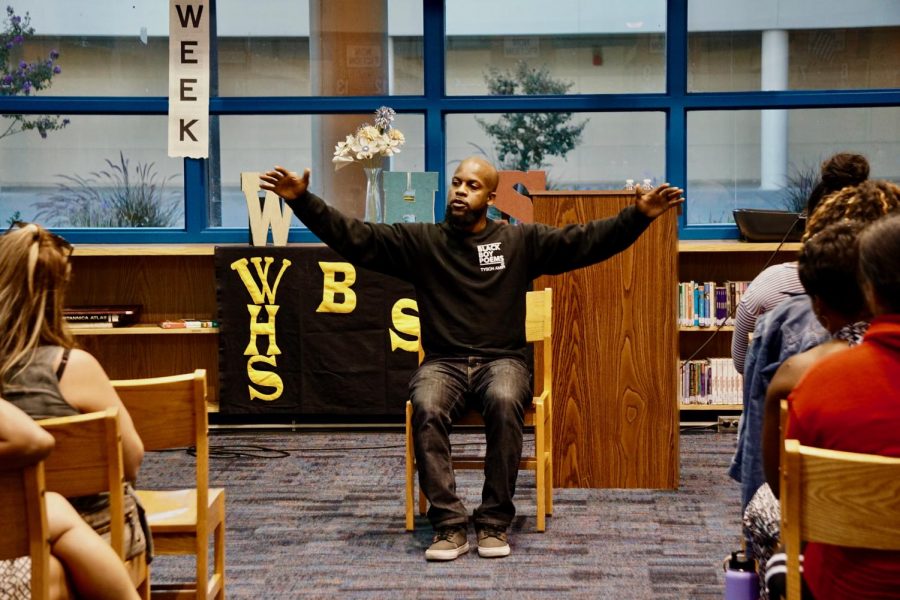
(188, 324)
(89, 317)
(90, 324)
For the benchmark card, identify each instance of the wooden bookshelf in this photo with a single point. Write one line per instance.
(721, 261)
(170, 282)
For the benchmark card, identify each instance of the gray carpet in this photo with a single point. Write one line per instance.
(326, 521)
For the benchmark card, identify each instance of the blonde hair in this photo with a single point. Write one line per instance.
(866, 202)
(34, 273)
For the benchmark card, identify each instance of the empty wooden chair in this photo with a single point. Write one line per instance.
(538, 329)
(170, 412)
(87, 460)
(23, 518)
(840, 498)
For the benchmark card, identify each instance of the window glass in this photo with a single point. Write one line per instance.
(766, 159)
(783, 45)
(588, 47)
(320, 48)
(96, 171)
(296, 142)
(604, 155)
(102, 48)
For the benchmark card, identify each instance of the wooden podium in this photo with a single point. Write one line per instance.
(615, 406)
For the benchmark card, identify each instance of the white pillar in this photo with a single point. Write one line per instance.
(774, 123)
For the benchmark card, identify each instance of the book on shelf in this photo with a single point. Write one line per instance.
(90, 324)
(707, 303)
(710, 381)
(189, 324)
(118, 315)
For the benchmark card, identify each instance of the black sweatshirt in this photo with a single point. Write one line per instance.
(470, 287)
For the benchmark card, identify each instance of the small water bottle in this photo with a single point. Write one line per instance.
(629, 185)
(741, 580)
(647, 185)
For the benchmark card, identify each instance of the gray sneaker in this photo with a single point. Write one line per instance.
(492, 542)
(448, 543)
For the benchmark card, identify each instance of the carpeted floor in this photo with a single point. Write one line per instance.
(320, 515)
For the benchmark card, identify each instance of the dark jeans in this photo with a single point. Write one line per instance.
(440, 391)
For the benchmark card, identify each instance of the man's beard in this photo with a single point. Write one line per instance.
(466, 219)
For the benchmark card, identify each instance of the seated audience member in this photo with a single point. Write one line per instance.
(850, 401)
(828, 271)
(77, 554)
(779, 282)
(41, 371)
(792, 327)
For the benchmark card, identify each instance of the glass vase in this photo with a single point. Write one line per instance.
(374, 197)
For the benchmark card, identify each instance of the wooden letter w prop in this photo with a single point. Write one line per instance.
(273, 213)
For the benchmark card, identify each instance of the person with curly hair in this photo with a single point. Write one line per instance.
(868, 201)
(850, 401)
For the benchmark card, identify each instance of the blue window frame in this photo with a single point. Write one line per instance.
(434, 105)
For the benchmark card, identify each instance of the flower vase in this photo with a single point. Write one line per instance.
(374, 197)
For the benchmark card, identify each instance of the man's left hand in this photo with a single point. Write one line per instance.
(659, 200)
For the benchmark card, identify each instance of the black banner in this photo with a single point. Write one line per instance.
(303, 331)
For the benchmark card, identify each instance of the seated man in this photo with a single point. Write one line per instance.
(77, 554)
(470, 276)
(850, 401)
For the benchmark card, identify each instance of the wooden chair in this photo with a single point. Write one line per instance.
(87, 460)
(170, 412)
(23, 517)
(840, 498)
(538, 317)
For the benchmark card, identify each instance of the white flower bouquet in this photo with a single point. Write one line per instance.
(370, 143)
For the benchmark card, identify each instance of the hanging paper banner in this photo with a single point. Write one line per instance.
(189, 78)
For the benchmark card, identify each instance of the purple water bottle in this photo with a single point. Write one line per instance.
(741, 580)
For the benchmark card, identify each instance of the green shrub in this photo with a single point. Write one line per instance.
(112, 198)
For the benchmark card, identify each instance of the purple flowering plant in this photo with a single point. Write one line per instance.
(20, 77)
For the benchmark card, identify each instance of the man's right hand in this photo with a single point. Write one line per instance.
(284, 183)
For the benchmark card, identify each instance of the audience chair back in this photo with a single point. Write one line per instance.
(840, 498)
(170, 412)
(538, 331)
(23, 517)
(87, 460)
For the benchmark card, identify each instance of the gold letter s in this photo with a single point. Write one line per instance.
(407, 323)
(264, 378)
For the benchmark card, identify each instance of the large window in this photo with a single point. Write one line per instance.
(592, 47)
(98, 171)
(729, 99)
(767, 158)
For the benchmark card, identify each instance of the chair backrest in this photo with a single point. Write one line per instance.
(170, 412)
(23, 518)
(86, 460)
(841, 498)
(539, 329)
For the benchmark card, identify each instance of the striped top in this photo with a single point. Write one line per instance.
(770, 288)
